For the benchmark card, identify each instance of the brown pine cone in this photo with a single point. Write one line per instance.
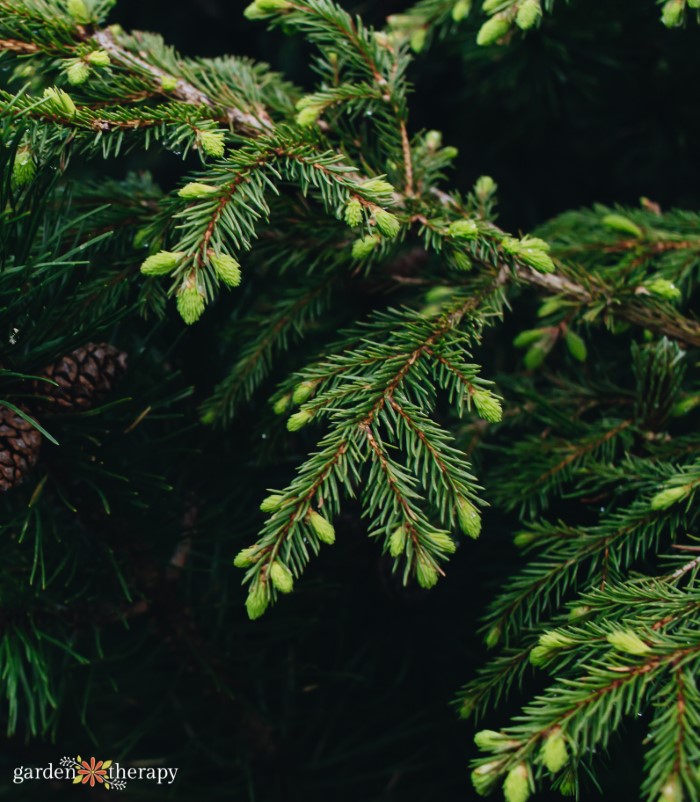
(84, 377)
(19, 448)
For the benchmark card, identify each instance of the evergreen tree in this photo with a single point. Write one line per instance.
(316, 336)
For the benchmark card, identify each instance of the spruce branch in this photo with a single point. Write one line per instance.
(366, 395)
(239, 119)
(604, 692)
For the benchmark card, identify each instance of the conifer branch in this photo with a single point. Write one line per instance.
(247, 122)
(331, 203)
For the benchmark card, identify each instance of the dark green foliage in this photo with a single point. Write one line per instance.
(351, 312)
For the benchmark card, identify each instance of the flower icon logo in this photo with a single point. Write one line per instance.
(94, 771)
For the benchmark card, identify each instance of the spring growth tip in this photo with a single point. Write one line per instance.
(461, 9)
(212, 143)
(281, 577)
(426, 572)
(98, 58)
(59, 102)
(672, 13)
(322, 528)
(469, 518)
(487, 405)
(362, 248)
(246, 557)
(190, 302)
(485, 187)
(77, 73)
(529, 12)
(353, 213)
(303, 391)
(493, 741)
(257, 601)
(78, 11)
(554, 752)
(260, 9)
(387, 223)
(195, 189)
(671, 790)
(161, 263)
(492, 30)
(397, 541)
(281, 405)
(226, 268)
(463, 229)
(298, 420)
(518, 784)
(485, 776)
(168, 83)
(666, 498)
(23, 168)
(627, 641)
(530, 250)
(377, 186)
(271, 503)
(663, 288)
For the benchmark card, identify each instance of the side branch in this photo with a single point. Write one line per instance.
(678, 327)
(252, 124)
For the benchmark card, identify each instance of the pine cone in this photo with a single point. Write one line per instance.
(84, 378)
(19, 448)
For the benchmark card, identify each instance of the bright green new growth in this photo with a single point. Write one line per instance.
(517, 785)
(161, 263)
(272, 503)
(532, 251)
(529, 12)
(211, 142)
(78, 10)
(197, 190)
(168, 83)
(387, 223)
(246, 557)
(299, 419)
(469, 518)
(77, 73)
(426, 573)
(281, 577)
(226, 268)
(257, 601)
(59, 102)
(322, 528)
(554, 752)
(463, 229)
(397, 541)
(190, 303)
(353, 213)
(628, 641)
(487, 405)
(668, 497)
(493, 30)
(303, 391)
(362, 248)
(664, 289)
(23, 168)
(98, 58)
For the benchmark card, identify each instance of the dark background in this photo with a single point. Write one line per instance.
(344, 693)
